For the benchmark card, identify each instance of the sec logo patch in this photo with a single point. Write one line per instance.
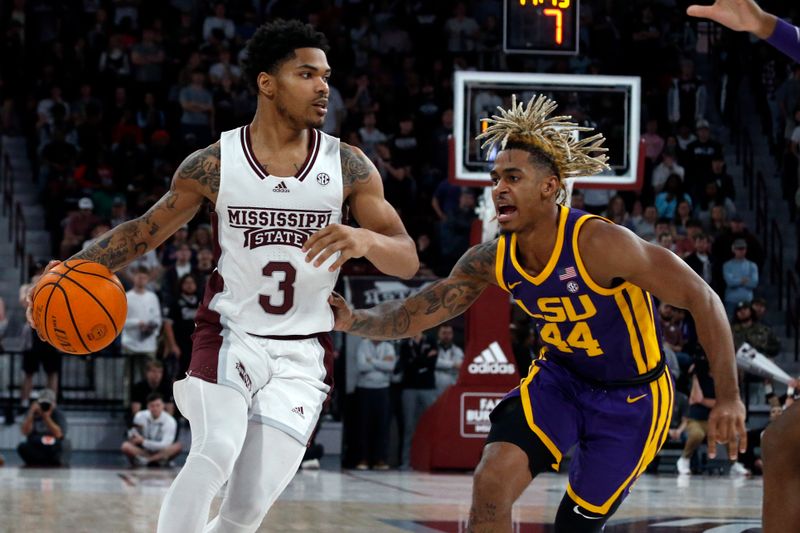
(323, 179)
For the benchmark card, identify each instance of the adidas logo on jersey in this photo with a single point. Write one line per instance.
(282, 187)
(491, 361)
(299, 411)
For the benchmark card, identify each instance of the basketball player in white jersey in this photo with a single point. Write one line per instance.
(260, 368)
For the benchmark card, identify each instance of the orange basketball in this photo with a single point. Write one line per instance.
(79, 306)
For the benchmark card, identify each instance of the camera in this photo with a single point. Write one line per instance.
(45, 406)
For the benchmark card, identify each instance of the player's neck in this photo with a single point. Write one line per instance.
(271, 130)
(536, 241)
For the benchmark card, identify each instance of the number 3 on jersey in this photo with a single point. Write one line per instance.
(580, 337)
(286, 286)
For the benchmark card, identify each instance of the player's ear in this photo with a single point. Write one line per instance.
(266, 84)
(550, 186)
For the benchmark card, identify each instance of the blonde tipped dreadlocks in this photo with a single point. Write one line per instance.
(553, 136)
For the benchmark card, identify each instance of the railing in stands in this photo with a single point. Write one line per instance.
(762, 208)
(792, 311)
(16, 223)
(776, 260)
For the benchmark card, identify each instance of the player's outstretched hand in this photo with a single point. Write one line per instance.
(29, 297)
(342, 312)
(739, 15)
(348, 241)
(726, 426)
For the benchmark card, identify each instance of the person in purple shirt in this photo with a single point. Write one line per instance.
(781, 509)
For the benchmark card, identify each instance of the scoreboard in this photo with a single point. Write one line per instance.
(540, 26)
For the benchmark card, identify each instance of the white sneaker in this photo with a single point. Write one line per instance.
(684, 466)
(738, 469)
(311, 464)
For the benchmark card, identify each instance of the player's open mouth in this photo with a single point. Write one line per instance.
(505, 212)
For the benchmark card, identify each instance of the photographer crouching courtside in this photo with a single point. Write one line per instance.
(44, 429)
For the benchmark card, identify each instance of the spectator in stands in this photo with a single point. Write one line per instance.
(710, 197)
(667, 200)
(741, 277)
(666, 240)
(449, 359)
(701, 152)
(398, 183)
(646, 227)
(151, 440)
(376, 362)
(148, 57)
(205, 266)
(454, 231)
(684, 244)
(683, 218)
(370, 135)
(179, 323)
(617, 213)
(418, 361)
(759, 307)
(197, 102)
(699, 260)
(169, 250)
(666, 168)
(181, 267)
(45, 430)
(154, 382)
(38, 353)
(720, 176)
(150, 118)
(219, 21)
(337, 112)
(654, 142)
(737, 229)
(747, 329)
(674, 332)
(142, 326)
(223, 68)
(718, 223)
(461, 31)
(687, 96)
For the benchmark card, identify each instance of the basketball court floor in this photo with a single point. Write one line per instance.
(79, 500)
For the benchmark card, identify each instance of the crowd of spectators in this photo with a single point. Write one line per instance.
(112, 94)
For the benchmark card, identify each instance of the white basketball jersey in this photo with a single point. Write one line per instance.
(268, 288)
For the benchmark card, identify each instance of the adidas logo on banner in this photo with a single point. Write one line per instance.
(299, 411)
(281, 188)
(491, 361)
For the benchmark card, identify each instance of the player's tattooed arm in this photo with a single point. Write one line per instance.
(196, 179)
(438, 302)
(356, 167)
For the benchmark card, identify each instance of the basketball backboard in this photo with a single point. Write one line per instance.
(610, 104)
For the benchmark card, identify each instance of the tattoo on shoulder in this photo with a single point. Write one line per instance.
(203, 166)
(479, 262)
(356, 168)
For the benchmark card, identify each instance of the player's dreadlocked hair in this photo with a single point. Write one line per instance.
(549, 140)
(275, 42)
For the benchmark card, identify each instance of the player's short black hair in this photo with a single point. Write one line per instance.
(153, 396)
(275, 42)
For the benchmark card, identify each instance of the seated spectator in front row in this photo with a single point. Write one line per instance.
(151, 440)
(747, 329)
(44, 429)
(153, 382)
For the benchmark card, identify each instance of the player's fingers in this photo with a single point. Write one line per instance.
(314, 237)
(706, 12)
(712, 440)
(343, 258)
(329, 251)
(319, 246)
(742, 436)
(51, 265)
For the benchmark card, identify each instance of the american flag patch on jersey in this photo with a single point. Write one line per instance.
(567, 273)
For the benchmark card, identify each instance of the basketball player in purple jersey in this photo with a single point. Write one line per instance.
(260, 370)
(781, 508)
(600, 382)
